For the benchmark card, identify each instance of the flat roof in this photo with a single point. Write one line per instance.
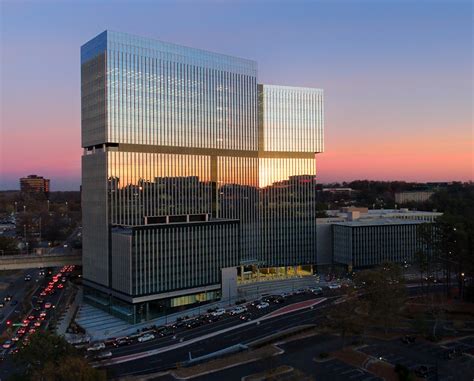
(379, 222)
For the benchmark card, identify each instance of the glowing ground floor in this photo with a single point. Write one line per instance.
(148, 307)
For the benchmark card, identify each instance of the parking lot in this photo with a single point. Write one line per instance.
(449, 361)
(339, 370)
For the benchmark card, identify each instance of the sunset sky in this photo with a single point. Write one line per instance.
(397, 76)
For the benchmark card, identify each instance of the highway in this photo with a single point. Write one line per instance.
(15, 315)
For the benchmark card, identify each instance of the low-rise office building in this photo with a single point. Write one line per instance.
(413, 196)
(358, 237)
(366, 243)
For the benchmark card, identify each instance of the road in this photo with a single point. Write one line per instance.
(17, 289)
(241, 335)
(55, 298)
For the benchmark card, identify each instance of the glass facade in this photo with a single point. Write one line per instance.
(363, 244)
(190, 167)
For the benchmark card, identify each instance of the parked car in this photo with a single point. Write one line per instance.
(238, 310)
(423, 371)
(96, 347)
(218, 312)
(408, 339)
(47, 305)
(103, 355)
(279, 299)
(316, 290)
(262, 305)
(146, 337)
(122, 341)
(7, 344)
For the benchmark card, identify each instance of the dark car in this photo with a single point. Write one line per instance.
(122, 341)
(408, 339)
(279, 300)
(423, 371)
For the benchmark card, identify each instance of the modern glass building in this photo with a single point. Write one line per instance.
(193, 176)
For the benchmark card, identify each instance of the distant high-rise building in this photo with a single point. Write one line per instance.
(194, 177)
(34, 184)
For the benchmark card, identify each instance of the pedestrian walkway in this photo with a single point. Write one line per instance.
(97, 323)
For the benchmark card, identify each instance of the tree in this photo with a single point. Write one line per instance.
(8, 246)
(346, 317)
(70, 368)
(383, 293)
(49, 357)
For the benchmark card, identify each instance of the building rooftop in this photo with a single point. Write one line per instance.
(379, 222)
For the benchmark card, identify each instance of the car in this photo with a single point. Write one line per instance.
(103, 355)
(300, 291)
(423, 371)
(238, 310)
(60, 285)
(3, 354)
(37, 323)
(279, 299)
(165, 331)
(43, 293)
(39, 301)
(122, 341)
(31, 331)
(7, 298)
(146, 337)
(96, 347)
(262, 305)
(218, 312)
(14, 302)
(7, 344)
(47, 305)
(37, 308)
(334, 286)
(408, 339)
(27, 278)
(2, 304)
(31, 317)
(453, 353)
(316, 290)
(21, 331)
(42, 314)
(245, 317)
(15, 338)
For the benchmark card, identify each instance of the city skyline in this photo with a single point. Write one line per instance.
(399, 98)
